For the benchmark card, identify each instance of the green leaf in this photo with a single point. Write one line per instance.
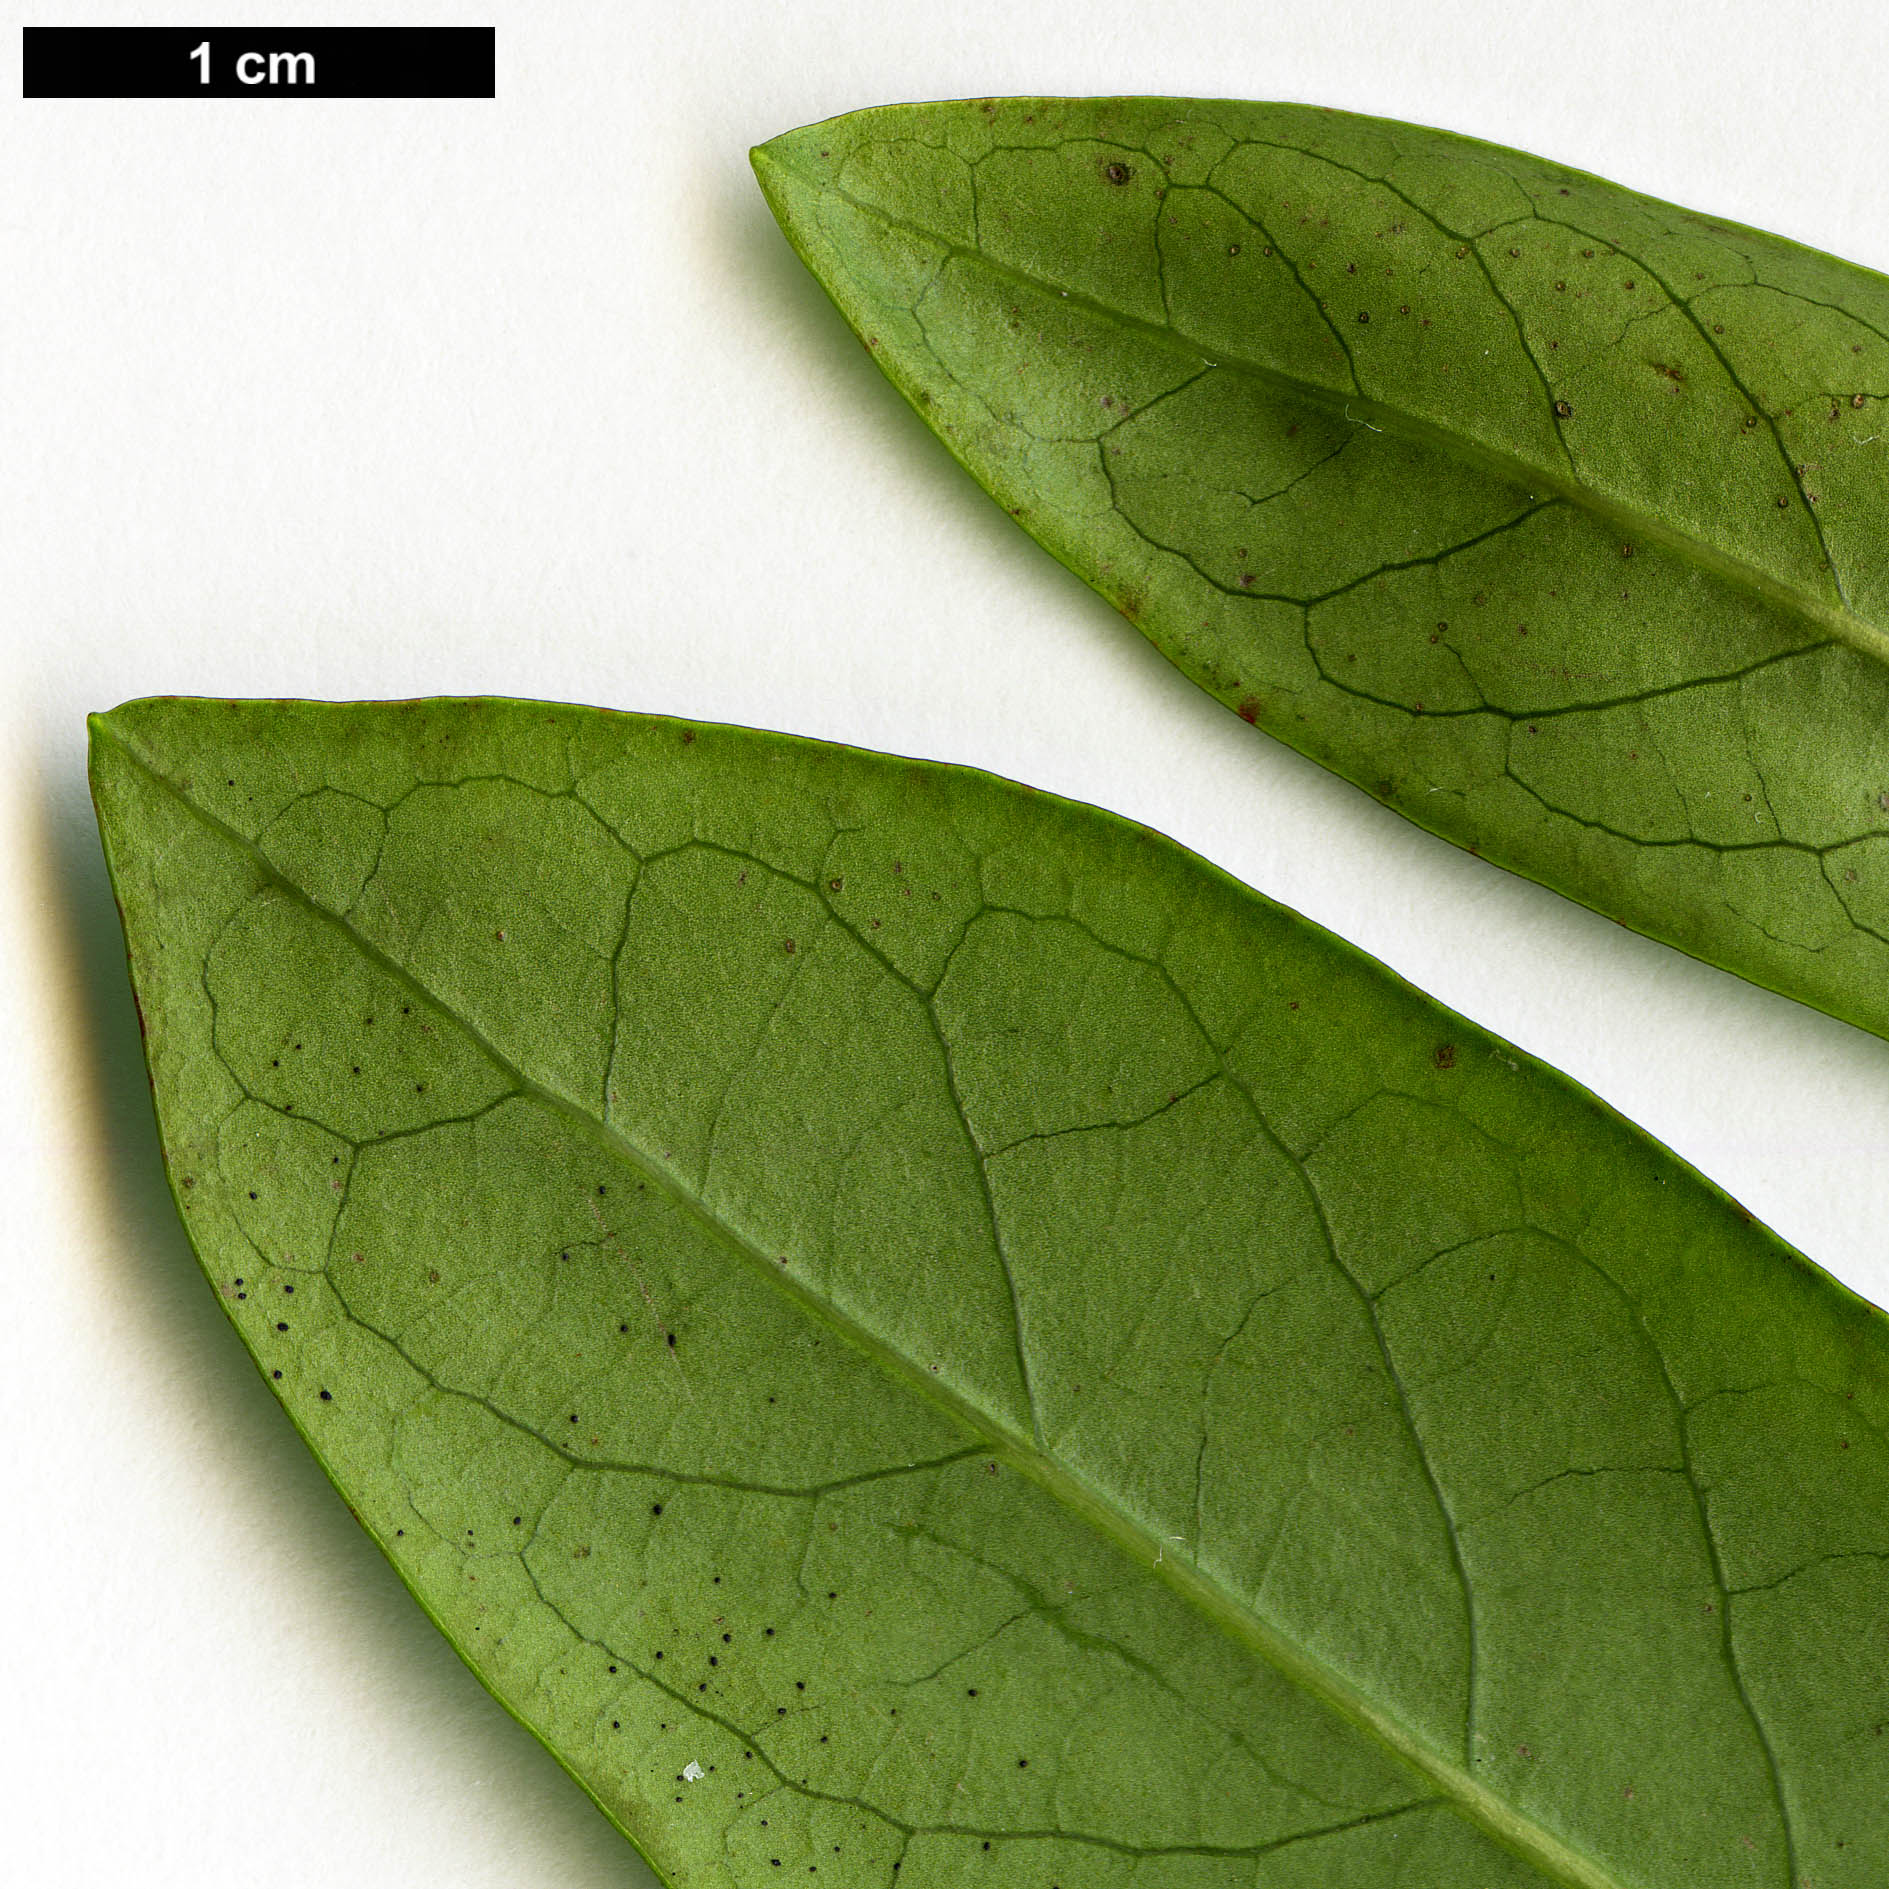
(916, 1333)
(1554, 516)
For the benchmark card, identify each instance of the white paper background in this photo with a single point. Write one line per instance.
(529, 397)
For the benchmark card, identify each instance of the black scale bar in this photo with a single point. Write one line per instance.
(258, 62)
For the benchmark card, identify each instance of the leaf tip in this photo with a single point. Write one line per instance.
(99, 730)
(780, 178)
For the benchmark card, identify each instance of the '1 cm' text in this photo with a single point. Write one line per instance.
(256, 68)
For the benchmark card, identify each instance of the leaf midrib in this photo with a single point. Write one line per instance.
(1480, 1806)
(1834, 619)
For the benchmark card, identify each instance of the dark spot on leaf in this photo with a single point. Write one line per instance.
(1445, 1056)
(1117, 173)
(1563, 411)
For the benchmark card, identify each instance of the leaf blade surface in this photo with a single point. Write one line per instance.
(1554, 516)
(1065, 1356)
